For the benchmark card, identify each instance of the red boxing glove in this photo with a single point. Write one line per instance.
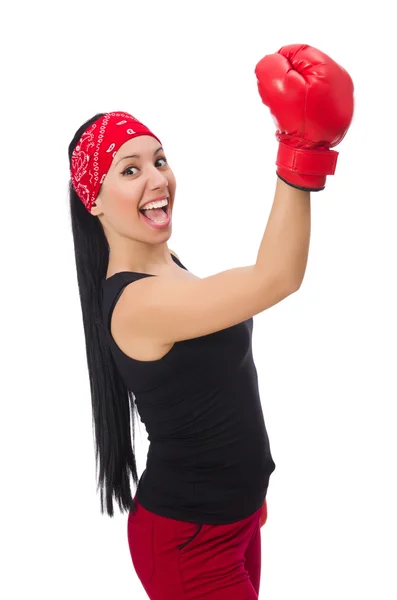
(311, 99)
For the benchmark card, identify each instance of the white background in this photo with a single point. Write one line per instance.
(326, 356)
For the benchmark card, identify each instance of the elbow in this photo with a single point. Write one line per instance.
(294, 280)
(293, 285)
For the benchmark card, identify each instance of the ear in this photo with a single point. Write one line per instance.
(96, 208)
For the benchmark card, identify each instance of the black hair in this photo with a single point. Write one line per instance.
(113, 404)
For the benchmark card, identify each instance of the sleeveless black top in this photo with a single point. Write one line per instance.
(209, 458)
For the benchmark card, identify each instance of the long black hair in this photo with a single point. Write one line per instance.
(113, 405)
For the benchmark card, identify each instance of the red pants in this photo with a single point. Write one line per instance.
(179, 560)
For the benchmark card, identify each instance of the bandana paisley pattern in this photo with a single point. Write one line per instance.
(94, 153)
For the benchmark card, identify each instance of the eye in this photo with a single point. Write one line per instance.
(162, 158)
(127, 171)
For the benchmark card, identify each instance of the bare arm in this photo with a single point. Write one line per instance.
(285, 243)
(287, 235)
(167, 310)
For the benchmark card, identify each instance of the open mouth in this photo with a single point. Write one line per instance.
(157, 217)
(163, 208)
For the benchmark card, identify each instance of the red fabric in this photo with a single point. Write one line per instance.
(187, 561)
(263, 517)
(94, 153)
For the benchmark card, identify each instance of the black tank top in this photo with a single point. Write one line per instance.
(209, 458)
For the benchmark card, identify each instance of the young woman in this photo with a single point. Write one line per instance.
(177, 348)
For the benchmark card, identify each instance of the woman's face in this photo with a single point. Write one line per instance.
(139, 173)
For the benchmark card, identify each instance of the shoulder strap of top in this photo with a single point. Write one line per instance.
(112, 288)
(176, 259)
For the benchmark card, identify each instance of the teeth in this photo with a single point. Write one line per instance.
(157, 204)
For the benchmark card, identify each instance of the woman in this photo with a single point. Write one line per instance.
(178, 348)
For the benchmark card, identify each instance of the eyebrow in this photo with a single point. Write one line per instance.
(138, 155)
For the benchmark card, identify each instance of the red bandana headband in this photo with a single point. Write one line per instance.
(94, 153)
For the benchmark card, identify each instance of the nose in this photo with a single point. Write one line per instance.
(157, 180)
